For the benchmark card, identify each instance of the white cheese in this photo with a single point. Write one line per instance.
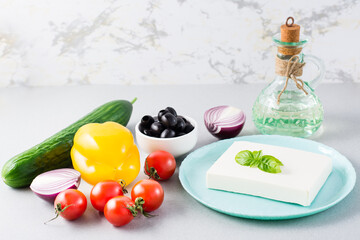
(302, 176)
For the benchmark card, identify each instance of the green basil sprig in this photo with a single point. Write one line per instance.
(266, 163)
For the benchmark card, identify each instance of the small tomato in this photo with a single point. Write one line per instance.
(103, 191)
(150, 192)
(120, 211)
(160, 165)
(70, 204)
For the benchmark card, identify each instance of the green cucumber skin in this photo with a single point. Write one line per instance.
(54, 152)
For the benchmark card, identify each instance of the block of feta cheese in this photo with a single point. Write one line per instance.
(302, 176)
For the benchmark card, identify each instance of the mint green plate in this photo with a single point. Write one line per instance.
(193, 171)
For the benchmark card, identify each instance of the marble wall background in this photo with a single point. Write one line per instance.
(167, 41)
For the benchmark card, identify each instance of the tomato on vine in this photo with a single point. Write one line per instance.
(160, 165)
(148, 194)
(70, 204)
(120, 211)
(103, 191)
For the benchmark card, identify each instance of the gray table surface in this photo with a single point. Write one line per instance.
(29, 115)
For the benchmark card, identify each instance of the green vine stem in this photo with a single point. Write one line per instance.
(139, 202)
(151, 172)
(58, 211)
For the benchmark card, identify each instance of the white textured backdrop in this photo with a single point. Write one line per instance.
(167, 41)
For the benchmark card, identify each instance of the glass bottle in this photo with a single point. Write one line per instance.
(297, 113)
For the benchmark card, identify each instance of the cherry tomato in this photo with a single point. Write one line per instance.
(103, 191)
(160, 165)
(70, 204)
(151, 192)
(120, 210)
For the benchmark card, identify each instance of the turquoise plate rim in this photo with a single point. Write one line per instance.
(287, 141)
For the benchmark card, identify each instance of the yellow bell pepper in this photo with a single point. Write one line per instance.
(105, 152)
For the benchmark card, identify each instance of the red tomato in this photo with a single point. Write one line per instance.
(151, 192)
(102, 192)
(160, 165)
(120, 210)
(70, 204)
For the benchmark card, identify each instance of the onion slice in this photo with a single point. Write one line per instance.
(224, 121)
(49, 184)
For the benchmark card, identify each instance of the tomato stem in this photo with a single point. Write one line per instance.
(123, 185)
(139, 202)
(151, 172)
(133, 210)
(58, 210)
(154, 174)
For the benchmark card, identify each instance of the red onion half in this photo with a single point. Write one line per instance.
(49, 184)
(224, 121)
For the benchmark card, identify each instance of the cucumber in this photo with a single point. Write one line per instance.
(54, 152)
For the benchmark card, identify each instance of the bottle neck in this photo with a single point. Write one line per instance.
(282, 59)
(287, 57)
(291, 63)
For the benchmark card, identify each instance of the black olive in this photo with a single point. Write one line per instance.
(180, 134)
(148, 132)
(188, 127)
(180, 125)
(142, 127)
(168, 120)
(183, 118)
(161, 113)
(156, 129)
(171, 110)
(147, 120)
(167, 133)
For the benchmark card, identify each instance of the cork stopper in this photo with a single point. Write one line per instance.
(290, 32)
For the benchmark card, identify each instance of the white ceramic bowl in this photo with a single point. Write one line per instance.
(177, 146)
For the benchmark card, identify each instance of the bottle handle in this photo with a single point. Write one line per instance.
(320, 67)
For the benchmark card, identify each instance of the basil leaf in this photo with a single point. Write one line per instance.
(274, 159)
(266, 163)
(270, 164)
(244, 158)
(257, 158)
(257, 155)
